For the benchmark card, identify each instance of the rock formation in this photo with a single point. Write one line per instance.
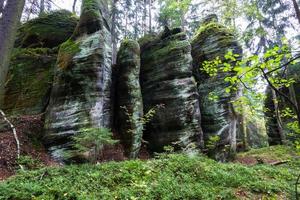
(29, 80)
(166, 79)
(129, 104)
(81, 93)
(218, 116)
(32, 63)
(48, 30)
(277, 127)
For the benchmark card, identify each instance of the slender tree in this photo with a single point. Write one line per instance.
(8, 26)
(1, 5)
(114, 31)
(297, 10)
(42, 7)
(74, 6)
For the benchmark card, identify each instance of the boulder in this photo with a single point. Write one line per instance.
(167, 82)
(28, 83)
(129, 102)
(218, 116)
(81, 93)
(48, 30)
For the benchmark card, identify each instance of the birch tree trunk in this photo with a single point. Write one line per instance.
(8, 26)
(14, 132)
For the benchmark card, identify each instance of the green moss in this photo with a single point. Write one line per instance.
(174, 176)
(131, 45)
(29, 80)
(146, 39)
(66, 53)
(280, 153)
(48, 30)
(211, 29)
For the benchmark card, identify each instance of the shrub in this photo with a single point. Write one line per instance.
(90, 143)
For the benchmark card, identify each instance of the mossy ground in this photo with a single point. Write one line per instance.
(173, 176)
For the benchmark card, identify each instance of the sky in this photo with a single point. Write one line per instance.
(66, 4)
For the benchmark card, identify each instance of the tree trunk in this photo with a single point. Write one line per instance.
(114, 32)
(297, 10)
(243, 121)
(232, 131)
(42, 7)
(136, 25)
(279, 122)
(150, 16)
(8, 27)
(1, 6)
(145, 17)
(74, 6)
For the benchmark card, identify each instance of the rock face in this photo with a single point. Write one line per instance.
(275, 133)
(129, 103)
(166, 79)
(29, 81)
(81, 94)
(272, 125)
(48, 30)
(211, 41)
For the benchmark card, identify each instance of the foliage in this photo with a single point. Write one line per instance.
(169, 176)
(172, 12)
(252, 71)
(212, 142)
(29, 163)
(92, 142)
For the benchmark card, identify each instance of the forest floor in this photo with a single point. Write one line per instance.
(33, 154)
(29, 129)
(267, 173)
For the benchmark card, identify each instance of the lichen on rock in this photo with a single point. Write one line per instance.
(29, 80)
(129, 100)
(211, 41)
(81, 93)
(166, 79)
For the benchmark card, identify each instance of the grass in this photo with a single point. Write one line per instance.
(173, 176)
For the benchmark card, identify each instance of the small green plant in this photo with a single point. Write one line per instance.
(140, 122)
(29, 163)
(212, 142)
(90, 143)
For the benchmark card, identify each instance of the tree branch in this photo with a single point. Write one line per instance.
(281, 94)
(14, 132)
(284, 65)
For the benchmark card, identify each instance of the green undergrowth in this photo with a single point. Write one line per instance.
(173, 176)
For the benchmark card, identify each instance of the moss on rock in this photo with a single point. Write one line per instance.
(81, 92)
(166, 78)
(29, 80)
(48, 30)
(211, 41)
(129, 97)
(66, 53)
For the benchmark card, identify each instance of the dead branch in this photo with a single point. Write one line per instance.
(14, 132)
